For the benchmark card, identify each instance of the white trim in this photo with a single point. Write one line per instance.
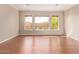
(8, 38)
(73, 37)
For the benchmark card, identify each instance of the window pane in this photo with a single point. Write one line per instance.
(54, 22)
(28, 23)
(41, 23)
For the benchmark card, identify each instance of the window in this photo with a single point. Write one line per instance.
(54, 22)
(28, 23)
(41, 23)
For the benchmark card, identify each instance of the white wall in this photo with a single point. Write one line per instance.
(9, 22)
(41, 13)
(72, 22)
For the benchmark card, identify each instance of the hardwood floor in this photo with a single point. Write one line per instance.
(40, 45)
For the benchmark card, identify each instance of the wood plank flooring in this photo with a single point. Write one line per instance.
(40, 45)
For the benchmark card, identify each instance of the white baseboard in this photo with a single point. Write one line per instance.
(9, 38)
(73, 37)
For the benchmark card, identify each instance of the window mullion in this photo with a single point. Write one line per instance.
(49, 22)
(33, 23)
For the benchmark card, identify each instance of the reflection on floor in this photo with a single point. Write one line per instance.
(40, 45)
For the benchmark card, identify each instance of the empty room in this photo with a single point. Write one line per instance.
(39, 28)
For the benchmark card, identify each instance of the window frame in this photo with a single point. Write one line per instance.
(49, 23)
(24, 23)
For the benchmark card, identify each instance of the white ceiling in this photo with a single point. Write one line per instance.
(42, 7)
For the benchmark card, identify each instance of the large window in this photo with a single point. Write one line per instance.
(28, 23)
(41, 23)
